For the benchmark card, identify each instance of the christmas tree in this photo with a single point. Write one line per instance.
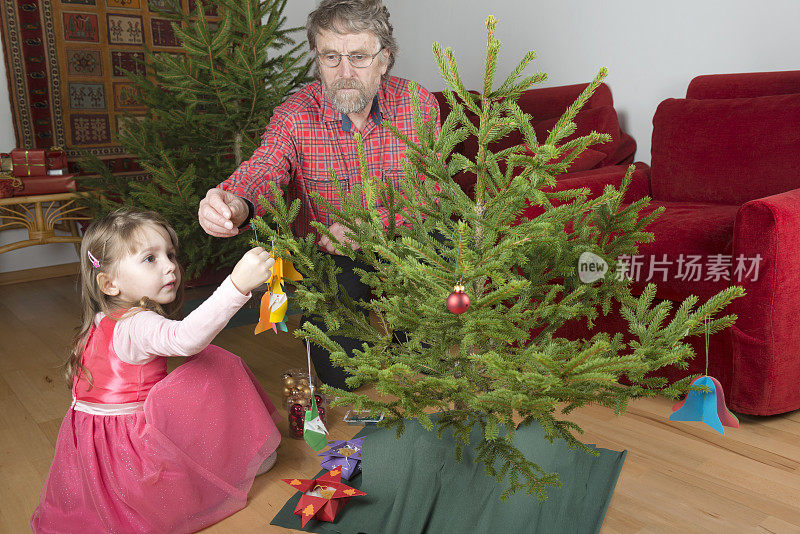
(501, 363)
(206, 111)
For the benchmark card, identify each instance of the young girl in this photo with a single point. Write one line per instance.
(140, 450)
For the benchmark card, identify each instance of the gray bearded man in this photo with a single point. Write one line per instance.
(313, 131)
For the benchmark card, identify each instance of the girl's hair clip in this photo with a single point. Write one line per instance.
(95, 261)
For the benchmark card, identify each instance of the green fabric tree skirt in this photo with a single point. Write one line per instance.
(415, 485)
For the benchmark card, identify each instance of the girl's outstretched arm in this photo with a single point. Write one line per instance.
(146, 334)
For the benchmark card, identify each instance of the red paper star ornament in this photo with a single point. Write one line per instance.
(323, 497)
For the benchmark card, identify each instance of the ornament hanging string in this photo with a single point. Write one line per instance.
(705, 320)
(258, 244)
(458, 301)
(460, 230)
(272, 239)
(308, 355)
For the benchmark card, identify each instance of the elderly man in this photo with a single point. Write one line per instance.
(314, 131)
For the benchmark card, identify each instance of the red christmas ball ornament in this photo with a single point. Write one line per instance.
(458, 301)
(297, 409)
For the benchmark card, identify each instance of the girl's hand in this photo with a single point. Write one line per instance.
(253, 269)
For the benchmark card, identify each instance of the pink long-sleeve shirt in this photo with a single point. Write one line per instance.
(145, 335)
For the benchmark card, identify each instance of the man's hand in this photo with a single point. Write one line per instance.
(342, 234)
(221, 213)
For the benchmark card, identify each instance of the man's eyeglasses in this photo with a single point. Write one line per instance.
(359, 61)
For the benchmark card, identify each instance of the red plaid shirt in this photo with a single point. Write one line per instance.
(306, 136)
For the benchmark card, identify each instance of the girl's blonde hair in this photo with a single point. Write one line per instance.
(106, 241)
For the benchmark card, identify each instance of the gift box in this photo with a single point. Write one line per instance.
(6, 165)
(46, 185)
(38, 162)
(29, 162)
(56, 160)
(9, 185)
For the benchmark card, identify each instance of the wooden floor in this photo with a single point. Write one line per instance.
(678, 477)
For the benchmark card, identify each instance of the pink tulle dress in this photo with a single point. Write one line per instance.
(142, 451)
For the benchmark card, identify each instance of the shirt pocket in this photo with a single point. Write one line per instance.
(319, 180)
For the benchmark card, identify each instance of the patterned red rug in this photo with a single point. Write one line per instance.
(66, 62)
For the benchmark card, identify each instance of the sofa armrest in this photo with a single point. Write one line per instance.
(766, 338)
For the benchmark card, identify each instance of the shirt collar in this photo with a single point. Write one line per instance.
(374, 112)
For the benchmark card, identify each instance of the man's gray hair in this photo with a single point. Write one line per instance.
(353, 16)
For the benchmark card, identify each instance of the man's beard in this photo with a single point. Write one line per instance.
(348, 101)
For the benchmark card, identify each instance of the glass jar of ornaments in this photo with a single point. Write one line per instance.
(297, 396)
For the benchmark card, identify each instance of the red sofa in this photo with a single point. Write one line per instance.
(725, 168)
(546, 105)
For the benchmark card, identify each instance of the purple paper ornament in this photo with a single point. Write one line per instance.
(345, 454)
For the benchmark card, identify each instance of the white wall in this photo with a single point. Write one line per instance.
(652, 49)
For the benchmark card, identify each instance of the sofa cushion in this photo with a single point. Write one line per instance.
(744, 85)
(601, 120)
(544, 104)
(550, 102)
(444, 106)
(626, 150)
(586, 160)
(595, 180)
(725, 151)
(547, 102)
(467, 182)
(691, 251)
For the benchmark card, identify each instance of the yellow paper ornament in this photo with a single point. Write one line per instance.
(274, 301)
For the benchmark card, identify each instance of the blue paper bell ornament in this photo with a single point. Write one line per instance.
(705, 406)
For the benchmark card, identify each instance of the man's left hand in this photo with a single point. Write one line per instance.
(342, 234)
